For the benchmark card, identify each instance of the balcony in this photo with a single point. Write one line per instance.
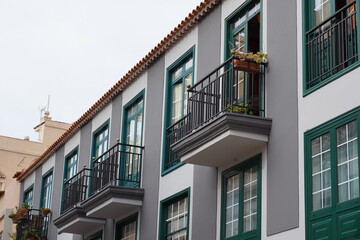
(107, 190)
(225, 117)
(331, 46)
(32, 225)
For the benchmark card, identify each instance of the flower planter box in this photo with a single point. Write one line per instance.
(245, 65)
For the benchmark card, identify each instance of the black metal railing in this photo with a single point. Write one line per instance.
(332, 45)
(33, 226)
(231, 87)
(76, 189)
(120, 166)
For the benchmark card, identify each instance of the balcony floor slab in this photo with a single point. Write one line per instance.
(224, 139)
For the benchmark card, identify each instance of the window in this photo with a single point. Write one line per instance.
(332, 179)
(28, 196)
(179, 79)
(126, 230)
(331, 43)
(46, 190)
(132, 135)
(100, 141)
(71, 162)
(244, 35)
(242, 202)
(174, 223)
(96, 236)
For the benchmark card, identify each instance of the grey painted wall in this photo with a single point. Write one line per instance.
(85, 146)
(205, 178)
(281, 83)
(152, 143)
(37, 188)
(115, 120)
(58, 174)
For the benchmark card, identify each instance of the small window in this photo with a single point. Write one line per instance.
(175, 217)
(126, 230)
(332, 179)
(96, 236)
(46, 190)
(28, 196)
(71, 164)
(100, 141)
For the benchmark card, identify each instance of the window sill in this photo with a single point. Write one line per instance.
(169, 170)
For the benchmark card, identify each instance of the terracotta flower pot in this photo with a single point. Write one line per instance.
(25, 211)
(246, 65)
(31, 237)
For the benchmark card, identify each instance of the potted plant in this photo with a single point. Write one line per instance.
(31, 235)
(25, 209)
(12, 216)
(45, 211)
(250, 60)
(12, 235)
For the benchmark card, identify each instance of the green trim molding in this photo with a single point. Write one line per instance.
(168, 99)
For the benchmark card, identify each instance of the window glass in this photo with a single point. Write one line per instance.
(347, 162)
(176, 220)
(71, 165)
(321, 172)
(128, 231)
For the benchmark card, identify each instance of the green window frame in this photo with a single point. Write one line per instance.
(243, 32)
(180, 75)
(127, 228)
(100, 142)
(332, 178)
(132, 134)
(174, 216)
(241, 201)
(29, 195)
(46, 189)
(71, 164)
(238, 26)
(329, 50)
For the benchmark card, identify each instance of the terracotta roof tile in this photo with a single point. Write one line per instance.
(177, 33)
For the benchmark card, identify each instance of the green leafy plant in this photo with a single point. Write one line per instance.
(12, 236)
(12, 215)
(45, 211)
(258, 57)
(25, 205)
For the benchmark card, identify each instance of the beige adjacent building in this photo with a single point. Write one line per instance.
(18, 154)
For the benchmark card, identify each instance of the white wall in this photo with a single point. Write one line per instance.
(48, 164)
(101, 118)
(72, 143)
(29, 181)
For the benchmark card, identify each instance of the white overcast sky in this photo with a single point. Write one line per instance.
(74, 51)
